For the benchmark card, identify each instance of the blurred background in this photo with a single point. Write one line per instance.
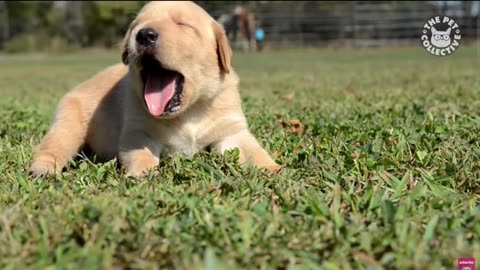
(63, 26)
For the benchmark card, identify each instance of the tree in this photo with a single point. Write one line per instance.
(5, 22)
(107, 21)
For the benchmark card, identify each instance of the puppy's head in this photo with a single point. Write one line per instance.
(178, 54)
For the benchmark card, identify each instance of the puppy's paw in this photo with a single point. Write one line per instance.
(140, 169)
(273, 169)
(135, 174)
(42, 168)
(137, 163)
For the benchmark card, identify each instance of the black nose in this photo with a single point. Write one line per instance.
(146, 36)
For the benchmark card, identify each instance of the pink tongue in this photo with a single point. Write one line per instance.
(159, 90)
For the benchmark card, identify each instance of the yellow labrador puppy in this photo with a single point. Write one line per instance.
(175, 92)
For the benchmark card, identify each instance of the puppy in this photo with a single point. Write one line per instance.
(176, 91)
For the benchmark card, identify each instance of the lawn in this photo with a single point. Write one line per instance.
(385, 173)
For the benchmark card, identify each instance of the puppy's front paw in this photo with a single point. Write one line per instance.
(140, 166)
(42, 167)
(273, 169)
(135, 174)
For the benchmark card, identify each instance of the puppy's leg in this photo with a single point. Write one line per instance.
(250, 150)
(138, 153)
(63, 140)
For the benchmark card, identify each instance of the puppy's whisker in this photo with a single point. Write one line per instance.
(119, 44)
(135, 57)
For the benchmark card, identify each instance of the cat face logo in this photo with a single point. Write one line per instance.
(441, 36)
(441, 39)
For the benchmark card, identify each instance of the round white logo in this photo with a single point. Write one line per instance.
(441, 36)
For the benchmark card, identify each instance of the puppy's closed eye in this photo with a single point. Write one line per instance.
(184, 24)
(189, 26)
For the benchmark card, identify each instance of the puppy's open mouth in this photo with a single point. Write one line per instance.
(163, 88)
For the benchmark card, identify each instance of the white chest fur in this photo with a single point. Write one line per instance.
(184, 139)
(191, 136)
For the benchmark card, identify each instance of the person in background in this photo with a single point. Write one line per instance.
(239, 20)
(259, 37)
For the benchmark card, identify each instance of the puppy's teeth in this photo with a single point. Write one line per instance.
(176, 108)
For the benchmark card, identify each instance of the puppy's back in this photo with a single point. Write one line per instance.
(100, 99)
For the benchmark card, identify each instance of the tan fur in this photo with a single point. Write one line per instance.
(107, 112)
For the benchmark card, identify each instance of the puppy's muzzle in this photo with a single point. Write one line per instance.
(147, 37)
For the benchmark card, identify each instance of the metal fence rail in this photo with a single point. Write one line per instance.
(285, 23)
(352, 23)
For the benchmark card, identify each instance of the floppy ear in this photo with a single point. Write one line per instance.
(125, 43)
(224, 52)
(125, 48)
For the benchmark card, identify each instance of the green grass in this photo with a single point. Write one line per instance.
(385, 175)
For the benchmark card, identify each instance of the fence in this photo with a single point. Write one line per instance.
(285, 23)
(354, 23)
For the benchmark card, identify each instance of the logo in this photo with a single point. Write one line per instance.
(441, 36)
(466, 264)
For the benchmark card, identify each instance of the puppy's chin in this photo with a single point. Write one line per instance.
(162, 89)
